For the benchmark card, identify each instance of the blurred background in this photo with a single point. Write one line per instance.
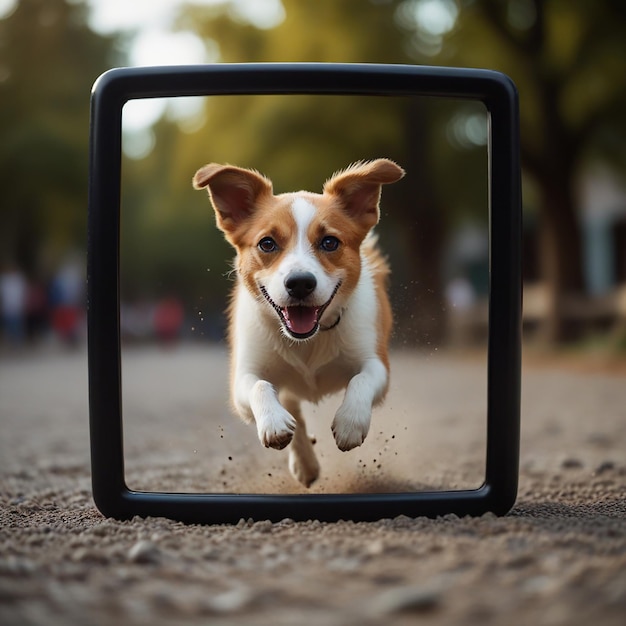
(567, 57)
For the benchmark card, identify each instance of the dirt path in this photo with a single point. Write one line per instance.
(558, 558)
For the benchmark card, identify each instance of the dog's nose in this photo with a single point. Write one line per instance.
(300, 284)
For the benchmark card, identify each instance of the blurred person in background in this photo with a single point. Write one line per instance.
(36, 310)
(168, 320)
(67, 302)
(13, 292)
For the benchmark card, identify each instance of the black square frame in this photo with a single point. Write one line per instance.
(110, 92)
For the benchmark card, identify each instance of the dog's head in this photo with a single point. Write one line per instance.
(300, 251)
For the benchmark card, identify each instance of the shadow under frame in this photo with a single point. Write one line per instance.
(109, 94)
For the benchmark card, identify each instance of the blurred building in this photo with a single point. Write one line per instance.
(603, 203)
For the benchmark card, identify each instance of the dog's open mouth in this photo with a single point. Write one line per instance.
(299, 320)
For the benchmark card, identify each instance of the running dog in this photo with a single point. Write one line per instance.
(309, 313)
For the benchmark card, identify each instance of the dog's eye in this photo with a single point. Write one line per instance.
(267, 244)
(329, 243)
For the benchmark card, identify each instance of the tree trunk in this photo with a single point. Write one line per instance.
(424, 230)
(561, 257)
(424, 239)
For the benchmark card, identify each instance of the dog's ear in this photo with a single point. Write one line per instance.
(358, 187)
(234, 192)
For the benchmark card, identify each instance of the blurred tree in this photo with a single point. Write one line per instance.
(48, 61)
(568, 58)
(299, 141)
(168, 244)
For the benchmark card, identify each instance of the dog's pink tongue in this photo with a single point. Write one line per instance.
(301, 319)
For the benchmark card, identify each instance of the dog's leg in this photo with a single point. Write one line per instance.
(352, 420)
(303, 463)
(257, 399)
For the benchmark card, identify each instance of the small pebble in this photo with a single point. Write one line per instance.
(144, 551)
(264, 526)
(571, 463)
(405, 600)
(375, 548)
(87, 555)
(230, 601)
(605, 466)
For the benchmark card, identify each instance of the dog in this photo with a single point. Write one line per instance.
(309, 313)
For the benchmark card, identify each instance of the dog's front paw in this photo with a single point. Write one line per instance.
(276, 431)
(350, 427)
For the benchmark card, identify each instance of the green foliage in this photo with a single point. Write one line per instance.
(169, 244)
(48, 62)
(568, 59)
(299, 141)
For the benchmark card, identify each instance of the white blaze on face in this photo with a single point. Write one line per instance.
(303, 214)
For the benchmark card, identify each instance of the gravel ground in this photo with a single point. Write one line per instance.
(558, 558)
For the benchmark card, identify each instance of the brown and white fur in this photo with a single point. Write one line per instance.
(309, 314)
